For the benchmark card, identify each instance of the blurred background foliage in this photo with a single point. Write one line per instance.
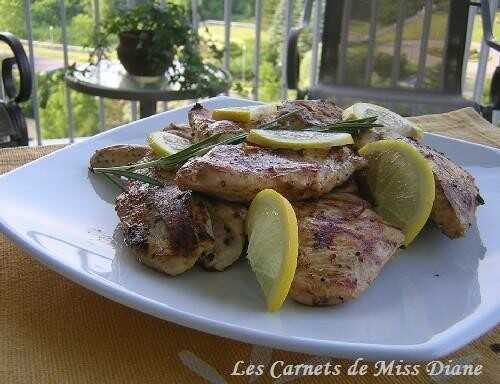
(80, 27)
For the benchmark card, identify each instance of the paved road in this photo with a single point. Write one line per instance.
(42, 64)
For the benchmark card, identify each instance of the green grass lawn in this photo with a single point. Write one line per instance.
(52, 53)
(239, 34)
(413, 29)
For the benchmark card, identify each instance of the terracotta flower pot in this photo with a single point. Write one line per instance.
(134, 52)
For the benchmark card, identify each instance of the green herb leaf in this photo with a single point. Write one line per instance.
(129, 175)
(113, 181)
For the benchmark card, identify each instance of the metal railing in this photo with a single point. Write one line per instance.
(483, 54)
(256, 62)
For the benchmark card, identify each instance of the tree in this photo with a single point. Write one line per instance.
(214, 9)
(48, 12)
(278, 23)
(270, 88)
(13, 22)
(268, 9)
(53, 117)
(81, 30)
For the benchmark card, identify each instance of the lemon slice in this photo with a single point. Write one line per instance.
(272, 245)
(278, 139)
(391, 120)
(244, 114)
(166, 143)
(401, 182)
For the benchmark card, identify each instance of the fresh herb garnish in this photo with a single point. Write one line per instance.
(196, 149)
(113, 180)
(224, 138)
(350, 126)
(479, 200)
(273, 124)
(108, 173)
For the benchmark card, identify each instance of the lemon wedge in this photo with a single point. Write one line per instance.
(282, 139)
(272, 232)
(166, 143)
(244, 114)
(391, 120)
(401, 182)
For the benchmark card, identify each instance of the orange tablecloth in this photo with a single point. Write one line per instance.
(54, 331)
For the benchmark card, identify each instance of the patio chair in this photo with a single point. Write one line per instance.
(350, 70)
(13, 129)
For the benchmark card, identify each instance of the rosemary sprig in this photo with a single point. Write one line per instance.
(168, 162)
(347, 125)
(112, 180)
(196, 149)
(128, 174)
(224, 138)
(171, 161)
(274, 123)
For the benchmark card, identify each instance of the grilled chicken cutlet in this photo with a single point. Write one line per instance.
(125, 154)
(118, 155)
(203, 126)
(171, 230)
(239, 172)
(168, 229)
(343, 245)
(457, 195)
(154, 219)
(228, 227)
(313, 113)
(181, 130)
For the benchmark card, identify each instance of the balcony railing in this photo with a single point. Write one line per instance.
(475, 90)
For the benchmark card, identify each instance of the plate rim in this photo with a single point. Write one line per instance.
(446, 342)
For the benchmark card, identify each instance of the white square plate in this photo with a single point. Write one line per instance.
(433, 298)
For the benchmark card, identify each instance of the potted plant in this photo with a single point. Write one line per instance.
(151, 39)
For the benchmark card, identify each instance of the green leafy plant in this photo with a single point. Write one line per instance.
(168, 34)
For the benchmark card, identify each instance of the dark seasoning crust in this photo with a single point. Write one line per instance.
(343, 246)
(457, 195)
(168, 228)
(198, 216)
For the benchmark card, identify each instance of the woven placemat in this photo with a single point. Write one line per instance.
(54, 331)
(12, 158)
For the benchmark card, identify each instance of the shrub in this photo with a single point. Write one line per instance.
(81, 29)
(53, 118)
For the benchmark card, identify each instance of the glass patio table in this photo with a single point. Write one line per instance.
(109, 79)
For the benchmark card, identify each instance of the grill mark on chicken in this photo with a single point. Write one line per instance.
(343, 245)
(168, 229)
(239, 172)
